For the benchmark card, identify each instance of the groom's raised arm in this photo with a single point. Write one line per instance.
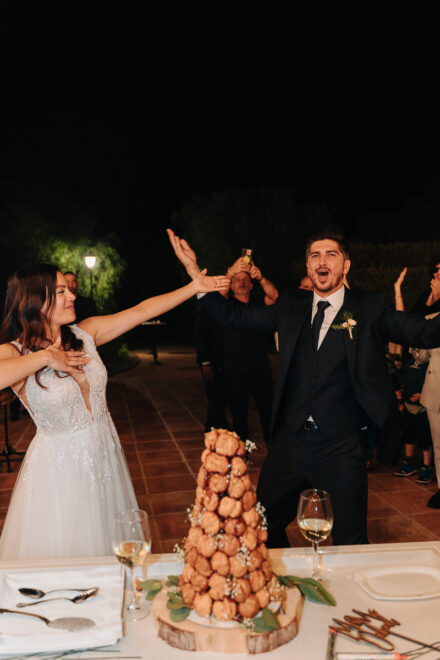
(409, 329)
(249, 317)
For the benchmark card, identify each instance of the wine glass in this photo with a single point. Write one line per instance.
(420, 355)
(131, 545)
(415, 352)
(315, 520)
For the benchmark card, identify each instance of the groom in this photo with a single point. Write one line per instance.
(332, 381)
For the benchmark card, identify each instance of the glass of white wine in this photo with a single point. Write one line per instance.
(131, 545)
(315, 520)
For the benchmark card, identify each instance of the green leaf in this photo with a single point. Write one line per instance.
(151, 585)
(316, 595)
(310, 588)
(175, 597)
(173, 581)
(292, 580)
(175, 606)
(270, 618)
(180, 614)
(151, 594)
(285, 580)
(326, 595)
(260, 625)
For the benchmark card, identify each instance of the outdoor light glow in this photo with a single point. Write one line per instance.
(90, 261)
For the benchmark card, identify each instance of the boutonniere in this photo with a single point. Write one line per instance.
(348, 324)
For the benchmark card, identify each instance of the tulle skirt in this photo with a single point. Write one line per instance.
(67, 495)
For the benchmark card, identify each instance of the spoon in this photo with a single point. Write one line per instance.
(70, 623)
(37, 593)
(85, 595)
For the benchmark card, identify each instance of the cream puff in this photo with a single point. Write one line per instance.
(210, 522)
(224, 610)
(220, 563)
(202, 604)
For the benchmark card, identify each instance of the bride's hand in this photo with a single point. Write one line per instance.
(205, 283)
(70, 362)
(184, 253)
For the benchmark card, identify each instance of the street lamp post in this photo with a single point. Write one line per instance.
(90, 263)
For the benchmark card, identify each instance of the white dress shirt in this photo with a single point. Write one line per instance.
(336, 301)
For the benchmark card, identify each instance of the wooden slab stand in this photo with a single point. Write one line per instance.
(190, 636)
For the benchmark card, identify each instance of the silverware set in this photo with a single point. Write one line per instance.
(70, 623)
(85, 594)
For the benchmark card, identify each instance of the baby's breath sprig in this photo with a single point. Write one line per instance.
(261, 510)
(234, 591)
(248, 623)
(243, 555)
(250, 446)
(194, 515)
(173, 589)
(179, 551)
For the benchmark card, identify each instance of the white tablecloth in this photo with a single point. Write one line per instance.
(419, 618)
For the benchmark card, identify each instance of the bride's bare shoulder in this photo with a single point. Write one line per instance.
(8, 350)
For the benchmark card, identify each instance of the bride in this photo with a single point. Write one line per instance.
(74, 478)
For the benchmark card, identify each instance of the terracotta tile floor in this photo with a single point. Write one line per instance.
(159, 413)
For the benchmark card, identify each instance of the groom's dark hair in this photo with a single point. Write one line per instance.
(331, 236)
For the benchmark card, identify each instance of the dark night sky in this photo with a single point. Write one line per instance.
(137, 108)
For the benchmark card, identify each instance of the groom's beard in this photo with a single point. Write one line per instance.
(328, 283)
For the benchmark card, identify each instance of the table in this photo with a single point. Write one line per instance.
(420, 619)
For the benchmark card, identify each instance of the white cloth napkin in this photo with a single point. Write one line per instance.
(22, 634)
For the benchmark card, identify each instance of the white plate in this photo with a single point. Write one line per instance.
(401, 582)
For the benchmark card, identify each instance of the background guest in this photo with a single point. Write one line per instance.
(429, 301)
(84, 307)
(431, 400)
(306, 284)
(415, 425)
(247, 369)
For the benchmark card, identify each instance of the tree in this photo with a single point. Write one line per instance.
(106, 273)
(268, 219)
(41, 221)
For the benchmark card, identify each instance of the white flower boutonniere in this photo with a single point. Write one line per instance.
(348, 324)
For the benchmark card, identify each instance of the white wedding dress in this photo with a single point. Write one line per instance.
(74, 478)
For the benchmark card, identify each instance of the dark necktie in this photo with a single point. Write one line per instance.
(317, 322)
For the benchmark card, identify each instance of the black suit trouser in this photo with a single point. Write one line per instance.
(304, 460)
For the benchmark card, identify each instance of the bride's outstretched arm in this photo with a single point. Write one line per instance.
(15, 368)
(184, 253)
(105, 328)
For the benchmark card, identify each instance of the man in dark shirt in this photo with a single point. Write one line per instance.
(84, 307)
(246, 364)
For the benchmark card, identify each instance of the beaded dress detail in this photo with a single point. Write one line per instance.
(74, 478)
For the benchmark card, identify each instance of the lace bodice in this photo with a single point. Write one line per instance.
(60, 408)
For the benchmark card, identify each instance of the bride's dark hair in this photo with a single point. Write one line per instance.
(30, 289)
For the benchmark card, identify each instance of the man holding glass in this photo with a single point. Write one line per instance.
(332, 381)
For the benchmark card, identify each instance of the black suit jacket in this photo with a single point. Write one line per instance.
(376, 323)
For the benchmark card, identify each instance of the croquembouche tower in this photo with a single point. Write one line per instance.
(227, 578)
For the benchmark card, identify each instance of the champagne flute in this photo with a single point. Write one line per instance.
(131, 545)
(315, 520)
